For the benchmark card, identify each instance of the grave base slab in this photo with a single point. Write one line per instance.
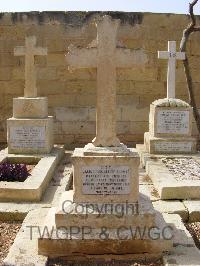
(141, 213)
(146, 156)
(122, 167)
(168, 186)
(96, 241)
(34, 186)
(173, 145)
(30, 136)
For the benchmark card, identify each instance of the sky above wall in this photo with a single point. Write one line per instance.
(158, 6)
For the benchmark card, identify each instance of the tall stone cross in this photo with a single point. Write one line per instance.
(172, 56)
(105, 56)
(29, 51)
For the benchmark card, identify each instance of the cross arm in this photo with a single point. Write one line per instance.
(81, 57)
(40, 51)
(163, 55)
(180, 55)
(129, 57)
(19, 51)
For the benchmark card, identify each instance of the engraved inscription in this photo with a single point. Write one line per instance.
(173, 146)
(106, 180)
(176, 122)
(27, 137)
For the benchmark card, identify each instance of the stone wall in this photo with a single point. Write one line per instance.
(72, 95)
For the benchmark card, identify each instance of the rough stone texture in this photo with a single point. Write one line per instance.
(170, 102)
(166, 135)
(181, 235)
(31, 130)
(104, 55)
(24, 250)
(74, 93)
(168, 186)
(183, 256)
(184, 252)
(183, 168)
(62, 244)
(34, 186)
(30, 107)
(154, 122)
(40, 145)
(100, 215)
(193, 207)
(149, 191)
(170, 145)
(30, 51)
(130, 160)
(172, 207)
(61, 181)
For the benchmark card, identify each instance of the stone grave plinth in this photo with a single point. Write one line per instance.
(30, 135)
(170, 128)
(170, 119)
(104, 211)
(30, 130)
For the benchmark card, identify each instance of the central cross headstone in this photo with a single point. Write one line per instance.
(30, 51)
(105, 57)
(172, 56)
(104, 177)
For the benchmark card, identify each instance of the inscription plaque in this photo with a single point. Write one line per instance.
(106, 180)
(170, 121)
(27, 137)
(173, 146)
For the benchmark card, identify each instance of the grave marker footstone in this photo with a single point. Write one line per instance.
(30, 130)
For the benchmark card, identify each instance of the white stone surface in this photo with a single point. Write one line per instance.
(168, 186)
(30, 136)
(176, 147)
(106, 180)
(27, 137)
(106, 57)
(193, 207)
(107, 190)
(172, 56)
(171, 102)
(30, 51)
(172, 121)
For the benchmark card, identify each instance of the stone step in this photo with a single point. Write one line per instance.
(106, 214)
(90, 240)
(168, 186)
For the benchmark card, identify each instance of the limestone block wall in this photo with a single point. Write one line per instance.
(72, 95)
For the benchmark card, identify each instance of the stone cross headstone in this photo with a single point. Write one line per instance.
(30, 130)
(106, 57)
(172, 56)
(30, 51)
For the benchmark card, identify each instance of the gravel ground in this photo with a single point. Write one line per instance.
(183, 168)
(102, 263)
(194, 229)
(8, 232)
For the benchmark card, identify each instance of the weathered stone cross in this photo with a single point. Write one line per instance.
(105, 57)
(172, 55)
(30, 50)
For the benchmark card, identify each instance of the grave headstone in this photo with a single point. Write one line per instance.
(105, 172)
(30, 130)
(170, 119)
